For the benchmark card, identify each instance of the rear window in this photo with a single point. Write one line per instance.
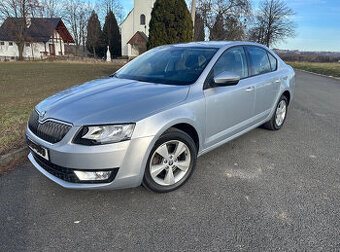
(273, 62)
(259, 62)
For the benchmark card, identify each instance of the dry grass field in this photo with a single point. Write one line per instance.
(24, 84)
(329, 69)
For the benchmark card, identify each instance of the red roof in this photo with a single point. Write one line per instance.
(138, 38)
(40, 30)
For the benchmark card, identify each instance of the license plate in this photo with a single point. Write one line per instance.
(38, 149)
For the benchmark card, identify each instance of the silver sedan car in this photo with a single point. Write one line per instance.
(147, 123)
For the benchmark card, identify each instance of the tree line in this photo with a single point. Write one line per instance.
(268, 24)
(171, 21)
(308, 57)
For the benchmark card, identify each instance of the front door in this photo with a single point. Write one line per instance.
(229, 109)
(52, 49)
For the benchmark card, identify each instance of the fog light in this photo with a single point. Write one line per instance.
(98, 175)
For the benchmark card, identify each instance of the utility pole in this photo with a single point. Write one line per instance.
(193, 11)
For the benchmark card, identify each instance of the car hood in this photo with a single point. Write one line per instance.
(110, 100)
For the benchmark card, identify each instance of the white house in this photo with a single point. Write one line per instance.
(135, 28)
(44, 37)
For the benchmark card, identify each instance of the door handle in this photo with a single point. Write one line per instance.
(277, 81)
(249, 89)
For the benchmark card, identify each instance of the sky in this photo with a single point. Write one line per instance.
(318, 24)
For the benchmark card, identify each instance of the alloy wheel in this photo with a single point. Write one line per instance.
(280, 114)
(170, 162)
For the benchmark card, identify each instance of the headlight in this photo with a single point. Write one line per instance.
(105, 134)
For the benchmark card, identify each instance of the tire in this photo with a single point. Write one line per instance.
(171, 162)
(273, 123)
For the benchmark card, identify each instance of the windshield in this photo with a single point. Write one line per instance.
(168, 65)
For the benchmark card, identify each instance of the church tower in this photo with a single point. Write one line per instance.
(135, 28)
(142, 15)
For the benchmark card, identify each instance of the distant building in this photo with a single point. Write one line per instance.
(44, 37)
(135, 28)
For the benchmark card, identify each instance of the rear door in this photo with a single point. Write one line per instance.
(228, 108)
(266, 81)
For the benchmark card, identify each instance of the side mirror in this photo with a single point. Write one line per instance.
(226, 79)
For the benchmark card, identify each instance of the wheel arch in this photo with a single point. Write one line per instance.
(286, 93)
(190, 130)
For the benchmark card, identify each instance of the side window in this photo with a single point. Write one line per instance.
(233, 60)
(273, 62)
(259, 60)
(142, 19)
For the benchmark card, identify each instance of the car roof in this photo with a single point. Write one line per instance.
(215, 44)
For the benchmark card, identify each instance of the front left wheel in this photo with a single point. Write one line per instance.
(171, 162)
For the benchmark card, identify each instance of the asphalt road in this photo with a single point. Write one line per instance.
(263, 191)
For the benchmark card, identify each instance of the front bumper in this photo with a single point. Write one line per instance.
(129, 157)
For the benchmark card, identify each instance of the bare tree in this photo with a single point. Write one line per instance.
(226, 19)
(105, 6)
(209, 9)
(76, 14)
(51, 8)
(273, 23)
(20, 11)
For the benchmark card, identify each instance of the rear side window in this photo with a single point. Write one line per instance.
(259, 62)
(233, 60)
(273, 62)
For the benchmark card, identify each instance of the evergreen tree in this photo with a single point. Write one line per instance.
(228, 27)
(235, 28)
(217, 32)
(111, 35)
(199, 34)
(94, 35)
(170, 23)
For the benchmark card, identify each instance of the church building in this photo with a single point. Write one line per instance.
(135, 28)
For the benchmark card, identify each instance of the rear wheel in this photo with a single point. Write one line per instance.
(171, 162)
(279, 116)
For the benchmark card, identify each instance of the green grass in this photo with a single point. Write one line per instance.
(329, 69)
(24, 84)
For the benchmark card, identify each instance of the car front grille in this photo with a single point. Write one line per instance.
(49, 131)
(67, 174)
